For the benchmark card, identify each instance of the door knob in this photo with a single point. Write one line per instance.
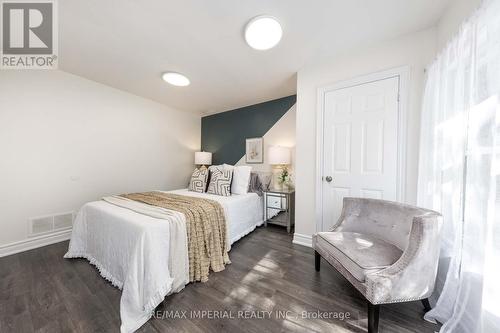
(329, 179)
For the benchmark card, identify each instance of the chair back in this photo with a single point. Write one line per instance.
(387, 220)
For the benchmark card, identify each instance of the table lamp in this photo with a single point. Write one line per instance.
(202, 158)
(280, 158)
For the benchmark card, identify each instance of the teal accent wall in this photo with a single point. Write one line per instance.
(224, 134)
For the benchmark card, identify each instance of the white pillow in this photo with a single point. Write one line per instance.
(241, 178)
(227, 166)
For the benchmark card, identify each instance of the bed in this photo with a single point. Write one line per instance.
(141, 249)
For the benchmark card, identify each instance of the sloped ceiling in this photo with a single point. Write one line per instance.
(127, 44)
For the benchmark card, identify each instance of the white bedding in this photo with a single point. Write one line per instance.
(139, 248)
(244, 212)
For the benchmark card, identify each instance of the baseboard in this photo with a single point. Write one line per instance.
(35, 242)
(301, 239)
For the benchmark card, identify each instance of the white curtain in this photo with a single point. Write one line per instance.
(459, 173)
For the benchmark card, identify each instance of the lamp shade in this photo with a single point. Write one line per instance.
(279, 155)
(202, 158)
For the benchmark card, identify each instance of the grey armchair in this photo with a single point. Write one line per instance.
(388, 251)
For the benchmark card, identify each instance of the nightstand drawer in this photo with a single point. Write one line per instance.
(276, 202)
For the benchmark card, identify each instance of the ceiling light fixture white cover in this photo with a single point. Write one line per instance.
(175, 79)
(263, 32)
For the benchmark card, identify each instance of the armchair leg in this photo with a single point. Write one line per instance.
(317, 261)
(373, 314)
(427, 305)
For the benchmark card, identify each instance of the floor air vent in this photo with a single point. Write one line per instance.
(49, 224)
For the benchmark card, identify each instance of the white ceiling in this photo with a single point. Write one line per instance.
(127, 44)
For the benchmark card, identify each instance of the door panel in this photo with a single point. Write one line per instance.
(360, 144)
(372, 149)
(343, 105)
(342, 147)
(371, 194)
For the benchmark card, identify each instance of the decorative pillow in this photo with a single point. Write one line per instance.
(259, 182)
(220, 182)
(241, 178)
(255, 185)
(210, 170)
(213, 167)
(198, 182)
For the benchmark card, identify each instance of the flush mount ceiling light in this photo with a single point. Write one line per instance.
(263, 32)
(176, 79)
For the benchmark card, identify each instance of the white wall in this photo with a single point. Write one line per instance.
(416, 51)
(65, 140)
(452, 18)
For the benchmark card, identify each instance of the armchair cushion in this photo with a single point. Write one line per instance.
(359, 254)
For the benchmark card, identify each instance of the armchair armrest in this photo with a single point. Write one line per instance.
(412, 277)
(348, 207)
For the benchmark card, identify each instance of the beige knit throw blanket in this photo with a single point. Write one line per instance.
(206, 230)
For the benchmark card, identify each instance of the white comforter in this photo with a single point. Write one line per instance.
(146, 256)
(143, 249)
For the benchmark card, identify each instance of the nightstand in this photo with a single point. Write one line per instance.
(279, 208)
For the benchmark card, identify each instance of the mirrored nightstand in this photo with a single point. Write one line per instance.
(279, 208)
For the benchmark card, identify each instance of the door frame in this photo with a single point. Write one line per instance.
(403, 73)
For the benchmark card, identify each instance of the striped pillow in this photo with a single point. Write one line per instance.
(198, 182)
(220, 182)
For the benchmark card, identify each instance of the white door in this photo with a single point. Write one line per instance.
(360, 147)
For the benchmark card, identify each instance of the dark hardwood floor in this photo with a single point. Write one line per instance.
(40, 291)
